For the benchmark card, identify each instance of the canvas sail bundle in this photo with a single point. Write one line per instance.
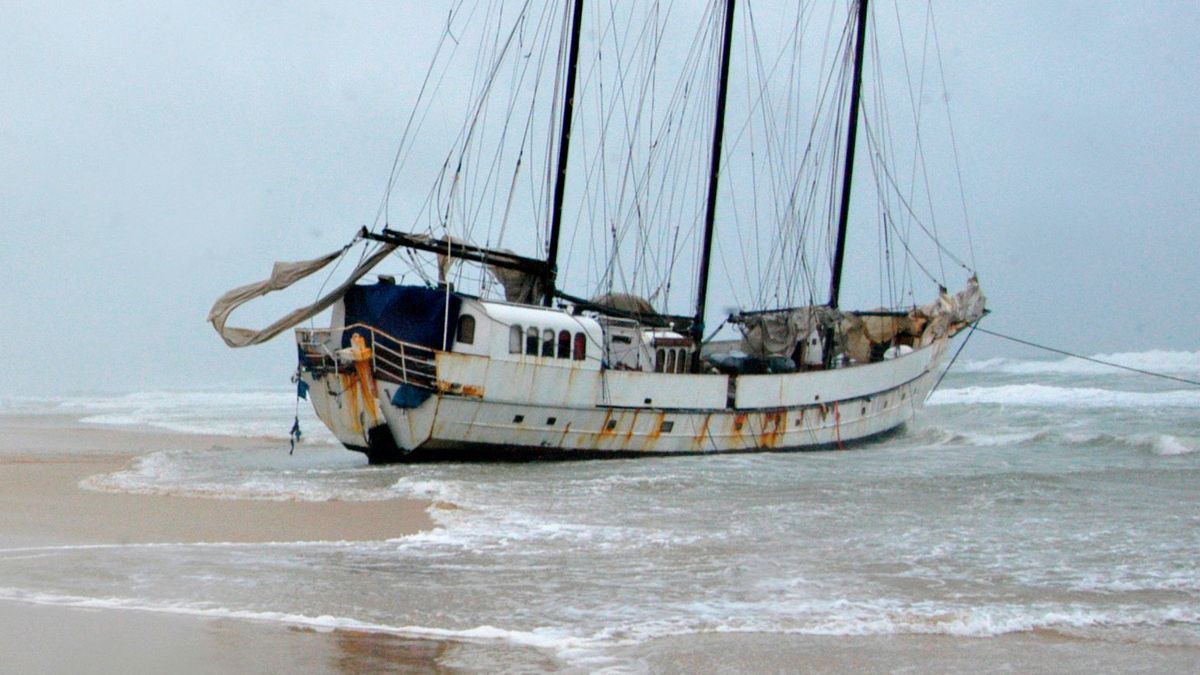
(283, 275)
(766, 334)
(519, 287)
(627, 303)
(947, 312)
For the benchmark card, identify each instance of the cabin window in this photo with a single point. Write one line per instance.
(547, 342)
(659, 359)
(670, 361)
(564, 344)
(514, 339)
(580, 347)
(531, 341)
(466, 329)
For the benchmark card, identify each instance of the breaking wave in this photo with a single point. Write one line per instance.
(543, 638)
(266, 414)
(246, 474)
(1158, 361)
(1050, 396)
(831, 618)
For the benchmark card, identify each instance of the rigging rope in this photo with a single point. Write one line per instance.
(950, 365)
(1063, 352)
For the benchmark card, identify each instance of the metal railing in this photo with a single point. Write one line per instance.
(392, 360)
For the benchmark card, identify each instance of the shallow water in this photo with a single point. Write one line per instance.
(1029, 496)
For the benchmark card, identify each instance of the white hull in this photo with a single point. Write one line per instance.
(484, 407)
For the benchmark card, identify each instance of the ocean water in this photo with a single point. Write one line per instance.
(1031, 497)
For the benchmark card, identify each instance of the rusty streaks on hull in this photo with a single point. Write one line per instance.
(604, 432)
(699, 439)
(655, 433)
(837, 425)
(632, 424)
(365, 380)
(350, 396)
(774, 425)
(739, 422)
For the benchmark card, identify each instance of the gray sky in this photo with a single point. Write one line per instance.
(155, 154)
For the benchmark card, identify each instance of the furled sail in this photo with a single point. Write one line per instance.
(283, 275)
(947, 313)
(625, 302)
(862, 336)
(766, 334)
(519, 286)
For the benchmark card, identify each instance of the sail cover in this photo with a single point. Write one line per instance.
(284, 274)
(413, 314)
(776, 333)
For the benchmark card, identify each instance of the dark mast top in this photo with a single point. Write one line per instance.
(549, 278)
(835, 284)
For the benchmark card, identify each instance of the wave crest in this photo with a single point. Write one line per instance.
(1051, 396)
(1158, 361)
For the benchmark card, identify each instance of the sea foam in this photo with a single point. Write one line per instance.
(543, 638)
(264, 414)
(246, 474)
(1158, 361)
(1042, 396)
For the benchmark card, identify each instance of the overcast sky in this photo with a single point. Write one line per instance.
(156, 154)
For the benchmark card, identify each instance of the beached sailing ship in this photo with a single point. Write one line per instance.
(429, 371)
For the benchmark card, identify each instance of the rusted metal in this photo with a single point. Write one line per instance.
(651, 439)
(837, 425)
(476, 395)
(632, 424)
(699, 439)
(774, 424)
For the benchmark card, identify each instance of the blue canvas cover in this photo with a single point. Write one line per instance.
(413, 314)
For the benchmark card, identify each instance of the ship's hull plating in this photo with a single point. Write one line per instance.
(489, 409)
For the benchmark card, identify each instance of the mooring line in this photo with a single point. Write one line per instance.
(950, 365)
(1110, 364)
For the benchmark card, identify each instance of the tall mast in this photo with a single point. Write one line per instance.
(710, 212)
(851, 134)
(564, 146)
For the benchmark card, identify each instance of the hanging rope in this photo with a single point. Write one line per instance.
(1088, 358)
(950, 365)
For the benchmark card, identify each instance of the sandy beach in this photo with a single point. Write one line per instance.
(43, 459)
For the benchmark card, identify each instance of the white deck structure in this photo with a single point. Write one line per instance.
(530, 381)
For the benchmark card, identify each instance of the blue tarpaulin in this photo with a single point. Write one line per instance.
(413, 314)
(408, 396)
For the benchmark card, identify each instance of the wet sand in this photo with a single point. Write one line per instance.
(1028, 652)
(43, 458)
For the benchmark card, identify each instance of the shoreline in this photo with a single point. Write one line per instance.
(44, 512)
(43, 459)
